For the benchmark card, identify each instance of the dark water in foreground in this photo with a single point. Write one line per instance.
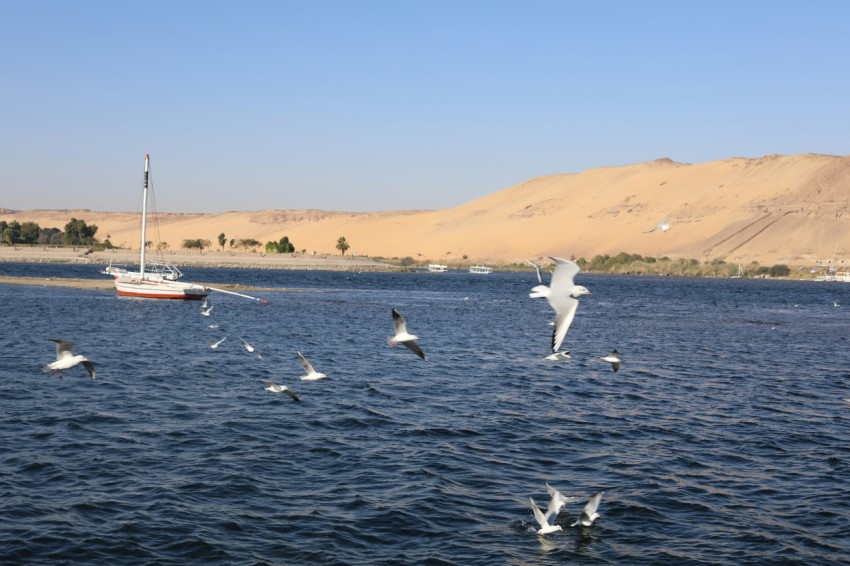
(723, 439)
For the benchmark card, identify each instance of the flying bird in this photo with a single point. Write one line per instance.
(562, 294)
(251, 349)
(65, 359)
(559, 356)
(614, 359)
(542, 520)
(205, 304)
(663, 226)
(403, 337)
(312, 374)
(589, 514)
(217, 344)
(537, 269)
(277, 388)
(206, 311)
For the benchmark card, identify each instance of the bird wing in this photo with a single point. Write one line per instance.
(538, 516)
(615, 366)
(291, 394)
(565, 311)
(562, 278)
(89, 367)
(414, 347)
(399, 323)
(305, 363)
(64, 348)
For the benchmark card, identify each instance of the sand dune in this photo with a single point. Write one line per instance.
(773, 209)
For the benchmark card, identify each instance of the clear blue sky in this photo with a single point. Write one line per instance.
(386, 105)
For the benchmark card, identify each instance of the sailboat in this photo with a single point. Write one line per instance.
(740, 272)
(153, 280)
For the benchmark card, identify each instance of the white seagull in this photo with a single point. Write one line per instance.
(403, 337)
(277, 388)
(537, 269)
(251, 349)
(614, 359)
(206, 311)
(562, 294)
(542, 520)
(589, 514)
(559, 356)
(217, 344)
(557, 502)
(65, 359)
(205, 304)
(663, 226)
(312, 374)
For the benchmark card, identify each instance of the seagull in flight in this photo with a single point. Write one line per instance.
(542, 520)
(537, 269)
(562, 294)
(217, 344)
(663, 226)
(65, 359)
(277, 388)
(589, 514)
(614, 359)
(312, 374)
(251, 349)
(206, 311)
(559, 356)
(403, 337)
(557, 502)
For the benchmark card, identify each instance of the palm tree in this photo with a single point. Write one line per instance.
(342, 245)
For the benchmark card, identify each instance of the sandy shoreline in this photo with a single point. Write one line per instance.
(246, 260)
(239, 260)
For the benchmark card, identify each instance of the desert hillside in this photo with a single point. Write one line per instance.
(774, 209)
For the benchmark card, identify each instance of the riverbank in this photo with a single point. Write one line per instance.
(227, 259)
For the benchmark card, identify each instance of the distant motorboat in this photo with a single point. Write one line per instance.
(480, 269)
(437, 268)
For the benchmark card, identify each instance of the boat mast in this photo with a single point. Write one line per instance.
(144, 218)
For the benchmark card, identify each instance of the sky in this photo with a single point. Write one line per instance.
(398, 105)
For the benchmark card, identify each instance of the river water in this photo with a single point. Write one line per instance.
(723, 439)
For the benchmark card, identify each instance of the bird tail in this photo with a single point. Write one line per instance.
(540, 291)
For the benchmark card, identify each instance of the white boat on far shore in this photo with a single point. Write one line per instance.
(437, 268)
(480, 269)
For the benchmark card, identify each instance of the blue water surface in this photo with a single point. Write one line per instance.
(723, 439)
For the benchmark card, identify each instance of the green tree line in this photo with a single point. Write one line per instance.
(76, 233)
